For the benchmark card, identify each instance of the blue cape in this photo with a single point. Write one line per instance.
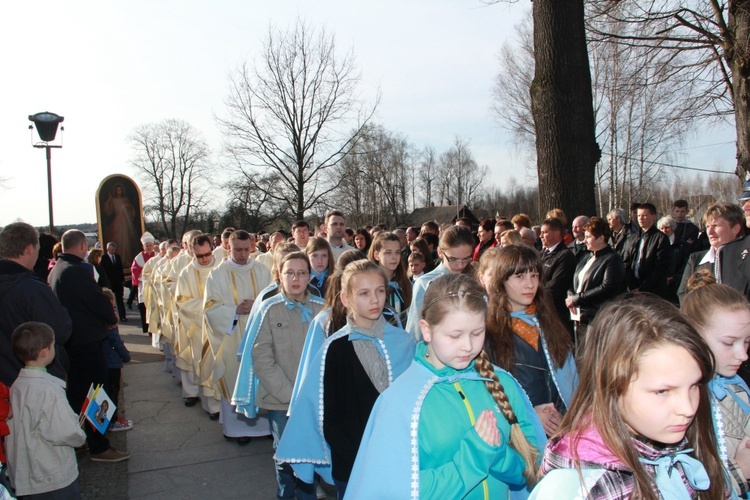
(387, 465)
(246, 387)
(417, 299)
(303, 444)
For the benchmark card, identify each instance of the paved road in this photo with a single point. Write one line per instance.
(176, 452)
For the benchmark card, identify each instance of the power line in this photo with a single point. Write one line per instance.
(682, 167)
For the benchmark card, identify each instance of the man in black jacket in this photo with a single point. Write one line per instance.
(647, 254)
(24, 297)
(91, 314)
(112, 264)
(559, 264)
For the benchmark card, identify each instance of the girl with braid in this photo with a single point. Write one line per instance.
(639, 425)
(453, 426)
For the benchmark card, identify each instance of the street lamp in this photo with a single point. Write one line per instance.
(46, 126)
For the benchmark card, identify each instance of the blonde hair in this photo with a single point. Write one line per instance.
(513, 236)
(337, 318)
(356, 268)
(458, 292)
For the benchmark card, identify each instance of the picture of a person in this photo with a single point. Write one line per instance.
(122, 227)
(101, 414)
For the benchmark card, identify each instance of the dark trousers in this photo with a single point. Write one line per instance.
(87, 366)
(133, 295)
(142, 311)
(113, 389)
(119, 293)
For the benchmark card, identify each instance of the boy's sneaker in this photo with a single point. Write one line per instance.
(111, 456)
(121, 424)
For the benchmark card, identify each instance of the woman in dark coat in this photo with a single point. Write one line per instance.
(599, 277)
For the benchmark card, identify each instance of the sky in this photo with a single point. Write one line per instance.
(109, 67)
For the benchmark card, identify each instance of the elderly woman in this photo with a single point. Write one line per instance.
(677, 257)
(599, 277)
(724, 223)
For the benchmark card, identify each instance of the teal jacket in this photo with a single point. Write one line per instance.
(420, 441)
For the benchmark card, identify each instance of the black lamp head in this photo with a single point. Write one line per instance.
(46, 125)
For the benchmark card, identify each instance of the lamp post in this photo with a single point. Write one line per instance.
(46, 126)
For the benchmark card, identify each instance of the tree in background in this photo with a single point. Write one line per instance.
(709, 42)
(173, 161)
(289, 117)
(561, 104)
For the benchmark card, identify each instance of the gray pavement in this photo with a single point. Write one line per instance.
(176, 452)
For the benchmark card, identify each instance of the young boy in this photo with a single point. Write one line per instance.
(44, 430)
(416, 265)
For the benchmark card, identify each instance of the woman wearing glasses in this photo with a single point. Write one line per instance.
(455, 253)
(267, 376)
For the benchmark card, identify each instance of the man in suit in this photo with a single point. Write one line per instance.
(112, 264)
(620, 230)
(578, 245)
(646, 258)
(724, 223)
(559, 265)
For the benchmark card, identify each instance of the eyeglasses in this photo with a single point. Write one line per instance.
(203, 255)
(456, 260)
(299, 274)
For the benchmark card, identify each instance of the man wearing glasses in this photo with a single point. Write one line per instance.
(189, 306)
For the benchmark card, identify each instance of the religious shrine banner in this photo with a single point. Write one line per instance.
(119, 210)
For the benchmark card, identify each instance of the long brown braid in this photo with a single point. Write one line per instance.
(518, 440)
(458, 292)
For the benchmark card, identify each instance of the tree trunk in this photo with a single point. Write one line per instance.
(562, 107)
(739, 25)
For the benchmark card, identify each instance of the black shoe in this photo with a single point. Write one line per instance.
(191, 401)
(214, 416)
(130, 306)
(243, 440)
(123, 320)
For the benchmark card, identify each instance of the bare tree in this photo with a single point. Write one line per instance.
(288, 116)
(375, 178)
(172, 159)
(710, 48)
(427, 174)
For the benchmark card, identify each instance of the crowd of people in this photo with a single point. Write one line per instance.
(601, 359)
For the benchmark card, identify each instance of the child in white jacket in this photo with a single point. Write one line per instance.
(44, 430)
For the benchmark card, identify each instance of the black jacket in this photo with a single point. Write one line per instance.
(559, 266)
(619, 242)
(735, 265)
(114, 271)
(90, 310)
(24, 297)
(654, 262)
(691, 268)
(604, 281)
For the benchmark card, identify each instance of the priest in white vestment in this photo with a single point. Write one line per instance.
(231, 289)
(189, 303)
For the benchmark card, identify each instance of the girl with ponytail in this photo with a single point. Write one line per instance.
(453, 426)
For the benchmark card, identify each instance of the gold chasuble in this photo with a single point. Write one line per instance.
(227, 286)
(191, 285)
